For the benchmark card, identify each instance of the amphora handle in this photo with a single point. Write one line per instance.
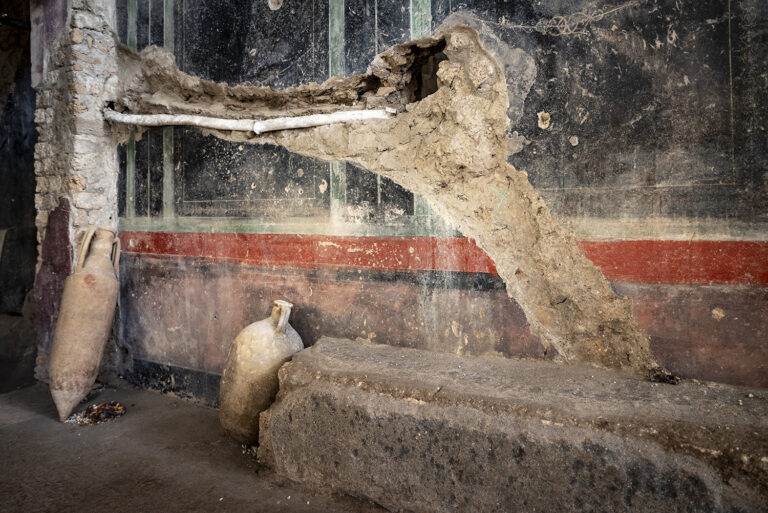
(284, 307)
(116, 253)
(85, 248)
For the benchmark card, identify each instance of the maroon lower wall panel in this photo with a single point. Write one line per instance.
(717, 333)
(186, 295)
(186, 313)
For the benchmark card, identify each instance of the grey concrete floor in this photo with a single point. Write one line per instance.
(165, 454)
(16, 374)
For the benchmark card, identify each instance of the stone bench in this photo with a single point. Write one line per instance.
(434, 432)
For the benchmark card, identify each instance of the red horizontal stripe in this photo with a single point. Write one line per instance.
(698, 262)
(644, 261)
(317, 251)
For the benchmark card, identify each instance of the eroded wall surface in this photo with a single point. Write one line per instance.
(649, 153)
(639, 125)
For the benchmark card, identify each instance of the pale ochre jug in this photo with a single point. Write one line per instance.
(249, 381)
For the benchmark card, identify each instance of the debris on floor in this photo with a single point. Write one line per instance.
(250, 450)
(661, 375)
(98, 414)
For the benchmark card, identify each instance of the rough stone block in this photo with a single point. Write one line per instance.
(88, 144)
(43, 150)
(88, 200)
(76, 35)
(433, 432)
(41, 184)
(84, 19)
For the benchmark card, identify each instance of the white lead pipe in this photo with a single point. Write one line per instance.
(258, 126)
(241, 125)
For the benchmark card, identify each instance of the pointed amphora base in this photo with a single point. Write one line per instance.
(66, 400)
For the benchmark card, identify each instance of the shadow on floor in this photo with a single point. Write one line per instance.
(16, 374)
(165, 454)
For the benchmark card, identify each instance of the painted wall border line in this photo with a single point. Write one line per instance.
(638, 261)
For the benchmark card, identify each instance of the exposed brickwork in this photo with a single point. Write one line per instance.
(75, 156)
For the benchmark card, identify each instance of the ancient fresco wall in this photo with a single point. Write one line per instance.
(635, 190)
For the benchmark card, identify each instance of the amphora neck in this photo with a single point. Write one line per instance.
(102, 243)
(98, 243)
(281, 311)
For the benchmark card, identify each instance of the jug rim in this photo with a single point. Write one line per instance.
(283, 303)
(108, 228)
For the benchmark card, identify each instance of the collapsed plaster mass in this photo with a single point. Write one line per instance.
(447, 143)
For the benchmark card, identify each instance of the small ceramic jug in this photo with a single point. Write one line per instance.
(249, 381)
(85, 319)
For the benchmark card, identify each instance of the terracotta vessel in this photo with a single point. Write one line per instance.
(85, 319)
(249, 382)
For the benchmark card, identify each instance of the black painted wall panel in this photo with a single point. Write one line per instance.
(395, 200)
(212, 38)
(121, 17)
(640, 100)
(362, 191)
(371, 26)
(155, 165)
(287, 47)
(360, 25)
(17, 183)
(156, 23)
(250, 43)
(122, 165)
(750, 97)
(658, 107)
(378, 201)
(142, 24)
(221, 178)
(394, 23)
(141, 181)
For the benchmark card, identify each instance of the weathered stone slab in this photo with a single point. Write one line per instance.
(431, 432)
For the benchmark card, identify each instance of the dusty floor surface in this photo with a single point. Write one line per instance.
(165, 454)
(15, 374)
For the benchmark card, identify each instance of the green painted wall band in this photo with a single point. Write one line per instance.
(336, 60)
(337, 67)
(409, 227)
(168, 182)
(421, 18)
(130, 150)
(421, 25)
(338, 189)
(131, 28)
(130, 176)
(168, 24)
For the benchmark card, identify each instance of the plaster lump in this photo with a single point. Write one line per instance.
(447, 143)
